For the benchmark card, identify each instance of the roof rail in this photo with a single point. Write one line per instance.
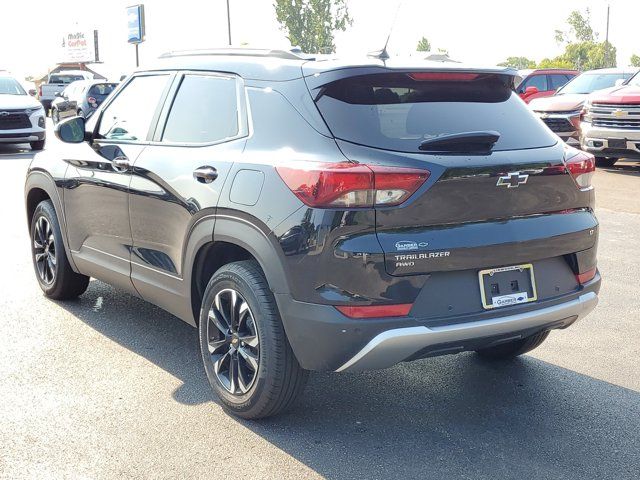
(295, 54)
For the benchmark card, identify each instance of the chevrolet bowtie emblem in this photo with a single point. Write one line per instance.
(512, 179)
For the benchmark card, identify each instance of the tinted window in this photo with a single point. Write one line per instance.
(65, 79)
(129, 116)
(556, 81)
(205, 110)
(590, 82)
(103, 89)
(538, 81)
(396, 112)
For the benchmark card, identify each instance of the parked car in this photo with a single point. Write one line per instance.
(80, 98)
(320, 215)
(543, 82)
(610, 127)
(57, 82)
(561, 111)
(21, 115)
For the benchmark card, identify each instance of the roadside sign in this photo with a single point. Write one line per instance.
(79, 46)
(135, 23)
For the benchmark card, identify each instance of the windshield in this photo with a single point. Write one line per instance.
(590, 82)
(399, 111)
(102, 89)
(65, 79)
(635, 81)
(9, 86)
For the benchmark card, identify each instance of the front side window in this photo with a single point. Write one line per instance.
(538, 81)
(205, 110)
(129, 116)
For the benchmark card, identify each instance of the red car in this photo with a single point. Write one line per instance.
(542, 83)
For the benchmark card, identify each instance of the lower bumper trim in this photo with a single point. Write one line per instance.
(393, 346)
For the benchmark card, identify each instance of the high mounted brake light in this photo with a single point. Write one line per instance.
(442, 76)
(349, 185)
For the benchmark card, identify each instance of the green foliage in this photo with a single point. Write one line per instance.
(635, 60)
(519, 63)
(310, 24)
(424, 45)
(557, 62)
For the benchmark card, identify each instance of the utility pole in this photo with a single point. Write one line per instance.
(606, 40)
(229, 22)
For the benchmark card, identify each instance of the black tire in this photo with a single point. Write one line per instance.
(62, 283)
(514, 348)
(37, 145)
(606, 162)
(278, 380)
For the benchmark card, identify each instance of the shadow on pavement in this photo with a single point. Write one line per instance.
(17, 149)
(447, 417)
(629, 167)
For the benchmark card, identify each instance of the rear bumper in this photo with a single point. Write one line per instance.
(393, 346)
(323, 339)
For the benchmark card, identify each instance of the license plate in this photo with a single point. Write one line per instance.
(617, 143)
(505, 286)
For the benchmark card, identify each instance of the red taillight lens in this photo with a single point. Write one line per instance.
(442, 76)
(375, 311)
(40, 90)
(586, 276)
(91, 100)
(348, 185)
(581, 166)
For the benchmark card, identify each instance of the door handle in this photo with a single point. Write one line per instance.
(205, 174)
(121, 164)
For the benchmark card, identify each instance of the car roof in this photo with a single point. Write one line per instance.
(529, 71)
(282, 65)
(605, 71)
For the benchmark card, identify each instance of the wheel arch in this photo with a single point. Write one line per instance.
(234, 239)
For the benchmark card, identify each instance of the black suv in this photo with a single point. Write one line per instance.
(311, 214)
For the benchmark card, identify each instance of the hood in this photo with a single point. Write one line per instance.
(622, 95)
(12, 102)
(558, 103)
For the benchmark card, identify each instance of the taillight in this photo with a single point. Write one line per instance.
(443, 76)
(375, 311)
(586, 276)
(40, 91)
(349, 185)
(581, 166)
(92, 100)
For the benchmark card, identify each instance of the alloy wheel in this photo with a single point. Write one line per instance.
(44, 249)
(232, 340)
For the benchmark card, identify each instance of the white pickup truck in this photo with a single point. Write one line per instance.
(57, 82)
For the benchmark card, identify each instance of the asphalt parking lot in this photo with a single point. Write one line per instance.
(109, 386)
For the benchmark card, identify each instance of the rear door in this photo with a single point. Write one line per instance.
(178, 178)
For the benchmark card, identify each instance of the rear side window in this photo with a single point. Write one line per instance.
(129, 116)
(205, 110)
(398, 111)
(101, 89)
(557, 81)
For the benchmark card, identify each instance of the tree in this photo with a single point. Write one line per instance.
(310, 24)
(424, 45)
(519, 63)
(635, 60)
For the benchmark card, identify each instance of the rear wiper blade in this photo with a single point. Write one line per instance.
(461, 142)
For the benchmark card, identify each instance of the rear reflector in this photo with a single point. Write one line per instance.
(349, 185)
(442, 76)
(586, 276)
(375, 311)
(581, 166)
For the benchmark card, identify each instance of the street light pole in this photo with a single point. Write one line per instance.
(229, 22)
(606, 40)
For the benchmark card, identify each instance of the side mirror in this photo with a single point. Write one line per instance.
(32, 92)
(71, 130)
(619, 82)
(531, 91)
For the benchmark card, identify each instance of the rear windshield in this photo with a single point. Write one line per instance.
(398, 111)
(65, 79)
(591, 82)
(102, 89)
